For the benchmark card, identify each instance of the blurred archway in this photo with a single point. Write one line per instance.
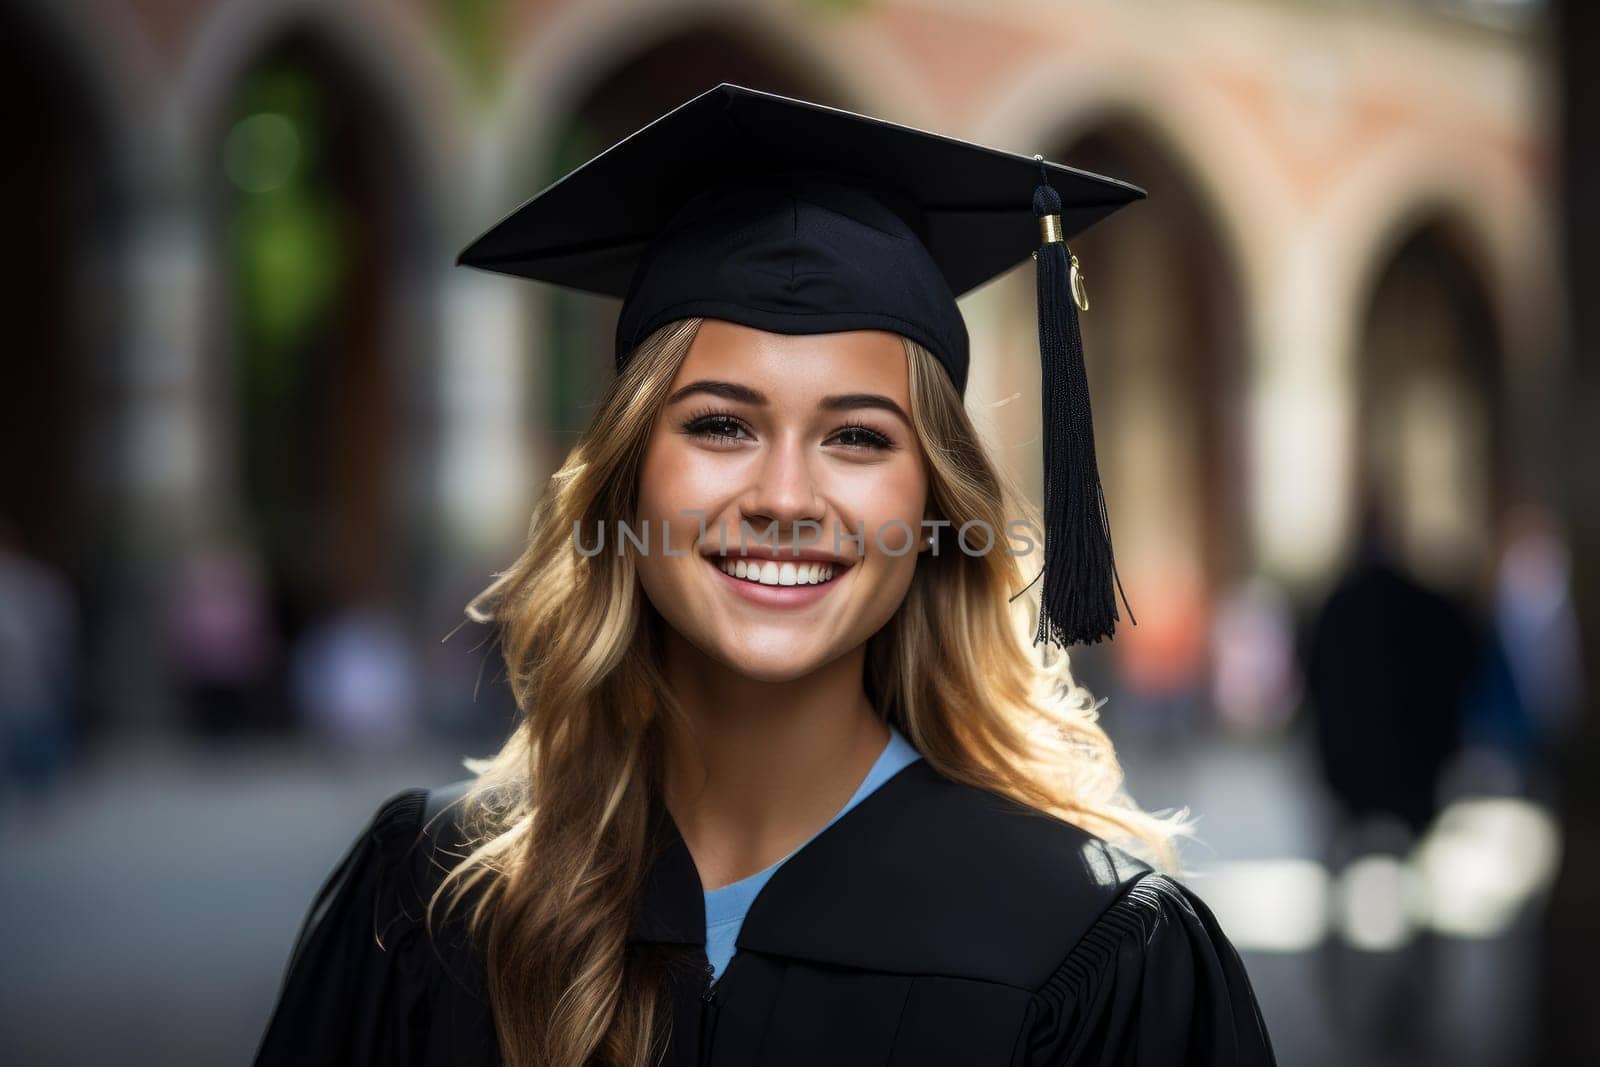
(1431, 435)
(63, 215)
(1163, 342)
(318, 207)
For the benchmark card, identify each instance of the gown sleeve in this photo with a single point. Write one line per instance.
(355, 988)
(1154, 983)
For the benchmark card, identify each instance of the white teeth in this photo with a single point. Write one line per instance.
(769, 572)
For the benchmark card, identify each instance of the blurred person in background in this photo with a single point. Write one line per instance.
(222, 645)
(1256, 682)
(1537, 628)
(1389, 665)
(39, 663)
(1392, 665)
(1526, 694)
(1498, 736)
(1162, 661)
(353, 679)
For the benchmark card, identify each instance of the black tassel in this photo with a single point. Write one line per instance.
(1077, 603)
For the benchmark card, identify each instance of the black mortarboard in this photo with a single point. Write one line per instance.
(793, 217)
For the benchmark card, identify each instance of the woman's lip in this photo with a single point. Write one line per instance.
(776, 596)
(781, 557)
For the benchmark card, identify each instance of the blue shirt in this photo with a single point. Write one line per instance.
(726, 906)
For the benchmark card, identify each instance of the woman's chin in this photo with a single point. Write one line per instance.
(779, 659)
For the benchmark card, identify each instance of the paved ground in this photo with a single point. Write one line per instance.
(147, 910)
(1462, 1002)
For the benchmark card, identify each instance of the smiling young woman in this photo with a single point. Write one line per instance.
(790, 784)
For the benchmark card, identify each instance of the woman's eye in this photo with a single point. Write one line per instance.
(717, 427)
(721, 428)
(863, 437)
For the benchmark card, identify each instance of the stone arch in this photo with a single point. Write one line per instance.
(1479, 204)
(319, 300)
(1386, 194)
(1228, 165)
(1165, 341)
(1431, 444)
(388, 48)
(1228, 179)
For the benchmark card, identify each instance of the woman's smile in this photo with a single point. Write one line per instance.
(777, 582)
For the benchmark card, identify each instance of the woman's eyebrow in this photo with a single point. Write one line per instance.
(745, 395)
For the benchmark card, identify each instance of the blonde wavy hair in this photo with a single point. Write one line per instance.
(557, 821)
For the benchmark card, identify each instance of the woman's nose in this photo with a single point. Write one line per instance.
(783, 488)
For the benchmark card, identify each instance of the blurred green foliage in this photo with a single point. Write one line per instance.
(289, 236)
(836, 6)
(286, 235)
(474, 33)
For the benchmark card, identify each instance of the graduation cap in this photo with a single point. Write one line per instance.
(793, 217)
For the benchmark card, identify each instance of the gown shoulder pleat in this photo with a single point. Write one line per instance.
(1153, 983)
(356, 986)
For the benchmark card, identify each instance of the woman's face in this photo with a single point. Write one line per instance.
(796, 437)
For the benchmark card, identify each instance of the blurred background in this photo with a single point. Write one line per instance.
(260, 442)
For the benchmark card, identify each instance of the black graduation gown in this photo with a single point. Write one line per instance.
(934, 923)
